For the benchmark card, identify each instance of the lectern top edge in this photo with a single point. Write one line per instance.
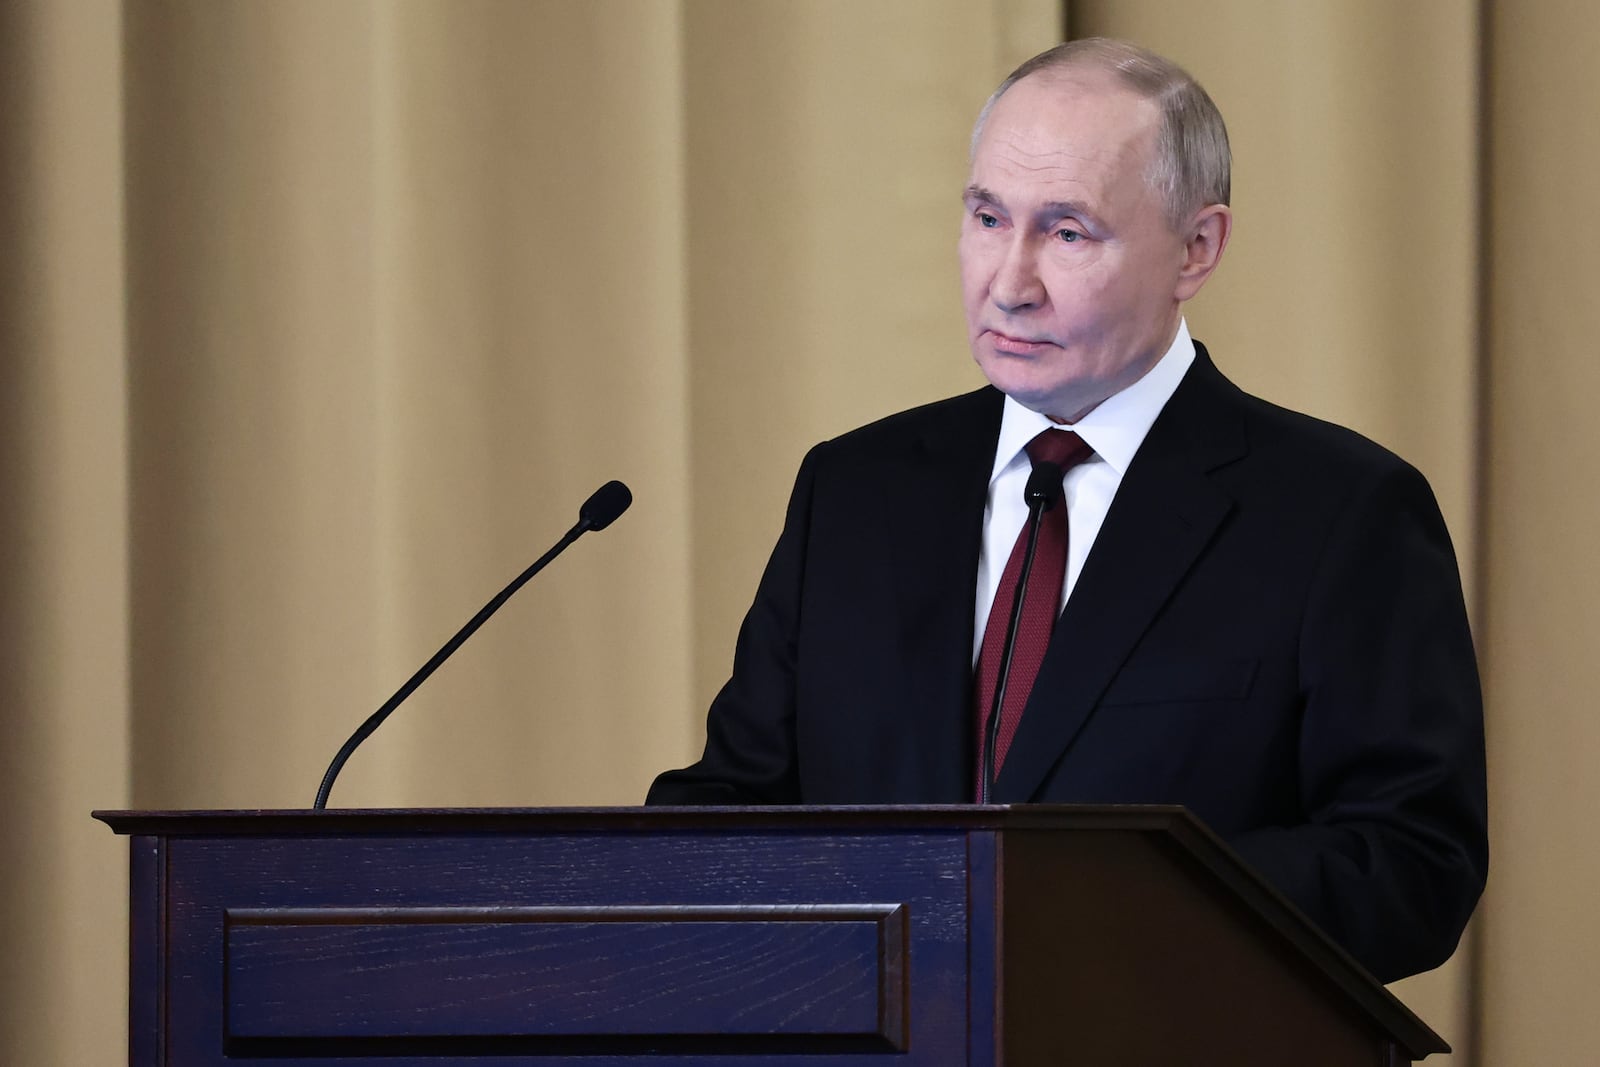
(266, 821)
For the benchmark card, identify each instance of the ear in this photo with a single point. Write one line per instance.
(1204, 240)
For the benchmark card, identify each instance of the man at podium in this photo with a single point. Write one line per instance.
(1112, 576)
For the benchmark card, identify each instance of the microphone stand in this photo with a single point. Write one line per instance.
(598, 512)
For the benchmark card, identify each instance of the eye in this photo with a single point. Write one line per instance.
(1069, 236)
(987, 221)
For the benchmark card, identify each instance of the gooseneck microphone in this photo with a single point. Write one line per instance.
(1042, 493)
(598, 512)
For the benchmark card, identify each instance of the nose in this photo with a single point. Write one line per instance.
(1017, 285)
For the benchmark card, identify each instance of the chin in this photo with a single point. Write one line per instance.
(1013, 379)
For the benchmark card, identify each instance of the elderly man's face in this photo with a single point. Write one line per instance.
(1070, 271)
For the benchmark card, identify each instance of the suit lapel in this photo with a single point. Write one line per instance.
(937, 528)
(1165, 513)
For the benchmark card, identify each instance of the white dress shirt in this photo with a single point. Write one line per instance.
(1115, 429)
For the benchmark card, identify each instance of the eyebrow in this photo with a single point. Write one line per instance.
(978, 192)
(1051, 209)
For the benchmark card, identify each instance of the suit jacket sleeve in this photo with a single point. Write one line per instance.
(750, 730)
(1392, 854)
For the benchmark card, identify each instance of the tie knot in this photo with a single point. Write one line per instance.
(1062, 447)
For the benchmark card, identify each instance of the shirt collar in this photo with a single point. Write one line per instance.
(1117, 426)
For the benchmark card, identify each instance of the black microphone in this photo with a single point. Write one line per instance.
(598, 512)
(603, 507)
(1044, 486)
(1042, 493)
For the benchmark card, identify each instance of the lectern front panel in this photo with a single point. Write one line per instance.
(587, 949)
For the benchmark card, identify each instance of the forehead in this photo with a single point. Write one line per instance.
(1079, 130)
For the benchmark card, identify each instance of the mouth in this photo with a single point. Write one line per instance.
(1005, 344)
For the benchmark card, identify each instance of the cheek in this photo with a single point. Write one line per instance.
(1077, 290)
(1091, 288)
(975, 275)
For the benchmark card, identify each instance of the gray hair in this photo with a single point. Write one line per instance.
(1192, 165)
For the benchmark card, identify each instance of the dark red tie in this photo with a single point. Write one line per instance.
(1039, 608)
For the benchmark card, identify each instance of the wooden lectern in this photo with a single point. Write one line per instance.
(784, 937)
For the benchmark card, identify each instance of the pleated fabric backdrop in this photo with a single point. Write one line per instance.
(317, 321)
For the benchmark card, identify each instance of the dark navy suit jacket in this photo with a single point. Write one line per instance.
(1268, 630)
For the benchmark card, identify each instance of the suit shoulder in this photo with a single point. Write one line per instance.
(972, 412)
(1272, 433)
(1316, 444)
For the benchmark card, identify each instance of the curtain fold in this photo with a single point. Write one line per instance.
(1539, 965)
(63, 534)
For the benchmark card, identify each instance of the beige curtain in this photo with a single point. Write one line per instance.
(64, 535)
(318, 320)
(1539, 966)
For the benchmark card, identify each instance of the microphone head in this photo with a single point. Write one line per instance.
(602, 509)
(1044, 486)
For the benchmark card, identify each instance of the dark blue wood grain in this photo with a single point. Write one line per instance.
(984, 943)
(923, 953)
(147, 986)
(522, 972)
